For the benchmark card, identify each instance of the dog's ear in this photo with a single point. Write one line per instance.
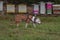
(30, 16)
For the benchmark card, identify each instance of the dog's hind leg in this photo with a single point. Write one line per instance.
(17, 24)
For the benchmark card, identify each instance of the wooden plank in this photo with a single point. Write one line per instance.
(22, 8)
(1, 5)
(36, 9)
(10, 8)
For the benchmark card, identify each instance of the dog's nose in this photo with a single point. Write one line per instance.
(39, 22)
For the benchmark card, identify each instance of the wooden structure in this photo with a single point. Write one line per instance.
(22, 8)
(42, 8)
(56, 9)
(1, 8)
(10, 8)
(49, 7)
(36, 9)
(6, 7)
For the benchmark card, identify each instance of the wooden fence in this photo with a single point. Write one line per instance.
(39, 9)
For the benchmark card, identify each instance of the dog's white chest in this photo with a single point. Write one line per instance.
(33, 18)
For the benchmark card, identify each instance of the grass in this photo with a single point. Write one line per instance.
(48, 30)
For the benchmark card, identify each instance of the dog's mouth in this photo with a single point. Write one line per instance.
(38, 23)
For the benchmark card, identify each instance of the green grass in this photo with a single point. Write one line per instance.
(49, 29)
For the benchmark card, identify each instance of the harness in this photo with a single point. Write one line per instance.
(28, 17)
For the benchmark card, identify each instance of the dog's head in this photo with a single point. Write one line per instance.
(36, 20)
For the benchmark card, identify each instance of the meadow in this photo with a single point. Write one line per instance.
(49, 29)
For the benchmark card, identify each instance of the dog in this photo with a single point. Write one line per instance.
(28, 18)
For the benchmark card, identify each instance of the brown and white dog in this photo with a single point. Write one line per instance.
(27, 18)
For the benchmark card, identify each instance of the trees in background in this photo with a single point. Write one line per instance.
(32, 1)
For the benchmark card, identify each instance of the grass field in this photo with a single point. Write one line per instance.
(49, 29)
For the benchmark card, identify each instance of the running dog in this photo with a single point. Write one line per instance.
(27, 18)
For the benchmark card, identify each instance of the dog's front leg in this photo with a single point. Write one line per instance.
(26, 25)
(34, 25)
(27, 22)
